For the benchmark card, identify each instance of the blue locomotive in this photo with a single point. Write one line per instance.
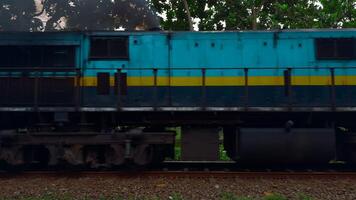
(105, 98)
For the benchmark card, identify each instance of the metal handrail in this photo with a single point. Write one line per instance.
(217, 68)
(61, 69)
(77, 73)
(38, 68)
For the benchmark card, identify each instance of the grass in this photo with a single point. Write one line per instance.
(176, 196)
(231, 196)
(304, 197)
(274, 197)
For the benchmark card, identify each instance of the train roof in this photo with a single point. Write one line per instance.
(229, 31)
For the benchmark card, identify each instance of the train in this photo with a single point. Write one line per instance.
(109, 98)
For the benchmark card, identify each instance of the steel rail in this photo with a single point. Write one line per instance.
(182, 174)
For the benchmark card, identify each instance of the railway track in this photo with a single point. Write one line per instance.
(184, 174)
(196, 169)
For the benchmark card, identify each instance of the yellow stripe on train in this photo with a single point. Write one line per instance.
(228, 81)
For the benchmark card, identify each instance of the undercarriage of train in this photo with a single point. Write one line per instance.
(112, 140)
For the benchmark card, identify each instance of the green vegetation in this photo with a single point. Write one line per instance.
(304, 197)
(231, 196)
(257, 14)
(207, 14)
(176, 196)
(177, 148)
(222, 153)
(274, 197)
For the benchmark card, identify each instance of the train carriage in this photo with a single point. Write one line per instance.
(108, 97)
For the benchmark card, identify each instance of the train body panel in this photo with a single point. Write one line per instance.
(196, 69)
(295, 89)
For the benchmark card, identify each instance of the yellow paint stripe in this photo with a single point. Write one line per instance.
(228, 81)
(345, 80)
(311, 80)
(225, 81)
(266, 81)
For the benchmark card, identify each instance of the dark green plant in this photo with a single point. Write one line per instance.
(176, 196)
(304, 197)
(227, 196)
(274, 197)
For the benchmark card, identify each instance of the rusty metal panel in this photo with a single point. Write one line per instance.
(16, 91)
(20, 91)
(56, 91)
(200, 144)
(123, 83)
(103, 87)
(120, 83)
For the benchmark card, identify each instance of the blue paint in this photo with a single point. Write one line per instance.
(222, 54)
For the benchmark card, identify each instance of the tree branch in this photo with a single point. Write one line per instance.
(191, 28)
(42, 11)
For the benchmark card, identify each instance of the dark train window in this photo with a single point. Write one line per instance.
(335, 48)
(59, 56)
(37, 56)
(109, 48)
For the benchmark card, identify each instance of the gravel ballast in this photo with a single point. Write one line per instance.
(165, 188)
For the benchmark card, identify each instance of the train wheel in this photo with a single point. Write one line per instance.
(115, 155)
(12, 156)
(73, 155)
(36, 155)
(94, 156)
(143, 155)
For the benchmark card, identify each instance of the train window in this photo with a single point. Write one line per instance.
(109, 48)
(59, 56)
(16, 56)
(335, 48)
(37, 56)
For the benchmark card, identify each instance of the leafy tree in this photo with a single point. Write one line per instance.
(289, 14)
(337, 13)
(258, 14)
(100, 15)
(174, 14)
(77, 15)
(18, 15)
(207, 14)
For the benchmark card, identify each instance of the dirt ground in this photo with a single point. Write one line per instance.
(167, 188)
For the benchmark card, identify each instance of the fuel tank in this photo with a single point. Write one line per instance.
(282, 146)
